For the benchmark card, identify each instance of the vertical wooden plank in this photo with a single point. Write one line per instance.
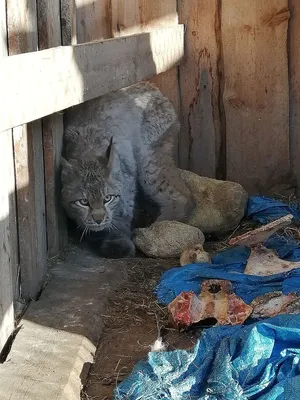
(68, 22)
(28, 147)
(93, 20)
(50, 36)
(294, 72)
(256, 102)
(8, 250)
(199, 142)
(135, 16)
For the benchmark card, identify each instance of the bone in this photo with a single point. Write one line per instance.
(275, 303)
(265, 262)
(216, 300)
(261, 234)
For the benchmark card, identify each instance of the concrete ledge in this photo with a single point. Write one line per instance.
(55, 346)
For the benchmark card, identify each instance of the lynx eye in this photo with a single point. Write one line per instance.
(82, 202)
(108, 199)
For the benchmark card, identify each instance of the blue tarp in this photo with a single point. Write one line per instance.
(230, 265)
(257, 361)
(264, 209)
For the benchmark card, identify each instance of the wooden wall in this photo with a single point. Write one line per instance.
(235, 91)
(237, 96)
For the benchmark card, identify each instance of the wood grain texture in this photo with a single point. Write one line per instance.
(135, 16)
(68, 22)
(294, 71)
(254, 37)
(73, 74)
(28, 151)
(93, 20)
(8, 237)
(7, 232)
(199, 142)
(48, 19)
(49, 30)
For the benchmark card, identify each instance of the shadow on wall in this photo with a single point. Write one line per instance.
(96, 20)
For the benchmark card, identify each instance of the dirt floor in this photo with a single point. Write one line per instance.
(133, 320)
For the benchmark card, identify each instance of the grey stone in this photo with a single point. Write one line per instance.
(220, 205)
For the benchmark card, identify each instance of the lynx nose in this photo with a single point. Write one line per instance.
(98, 216)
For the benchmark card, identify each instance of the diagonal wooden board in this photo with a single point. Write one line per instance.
(40, 83)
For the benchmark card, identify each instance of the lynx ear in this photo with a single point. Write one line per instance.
(113, 164)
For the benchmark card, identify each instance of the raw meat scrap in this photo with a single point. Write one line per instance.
(194, 254)
(185, 309)
(265, 262)
(216, 300)
(261, 234)
(275, 303)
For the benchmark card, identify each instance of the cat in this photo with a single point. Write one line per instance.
(114, 145)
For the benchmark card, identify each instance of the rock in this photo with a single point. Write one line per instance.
(220, 205)
(166, 239)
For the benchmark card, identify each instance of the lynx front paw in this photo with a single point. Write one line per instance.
(117, 247)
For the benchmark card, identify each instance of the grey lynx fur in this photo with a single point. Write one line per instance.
(112, 145)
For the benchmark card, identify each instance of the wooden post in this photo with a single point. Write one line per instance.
(8, 227)
(200, 138)
(68, 22)
(28, 148)
(50, 36)
(256, 92)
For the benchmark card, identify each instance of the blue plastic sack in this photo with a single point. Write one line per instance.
(264, 209)
(230, 265)
(259, 361)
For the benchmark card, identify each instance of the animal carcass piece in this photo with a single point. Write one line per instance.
(216, 300)
(194, 254)
(275, 303)
(261, 234)
(265, 262)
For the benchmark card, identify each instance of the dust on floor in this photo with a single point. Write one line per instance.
(132, 320)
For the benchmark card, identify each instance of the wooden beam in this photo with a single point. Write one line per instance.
(256, 92)
(49, 29)
(28, 156)
(38, 84)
